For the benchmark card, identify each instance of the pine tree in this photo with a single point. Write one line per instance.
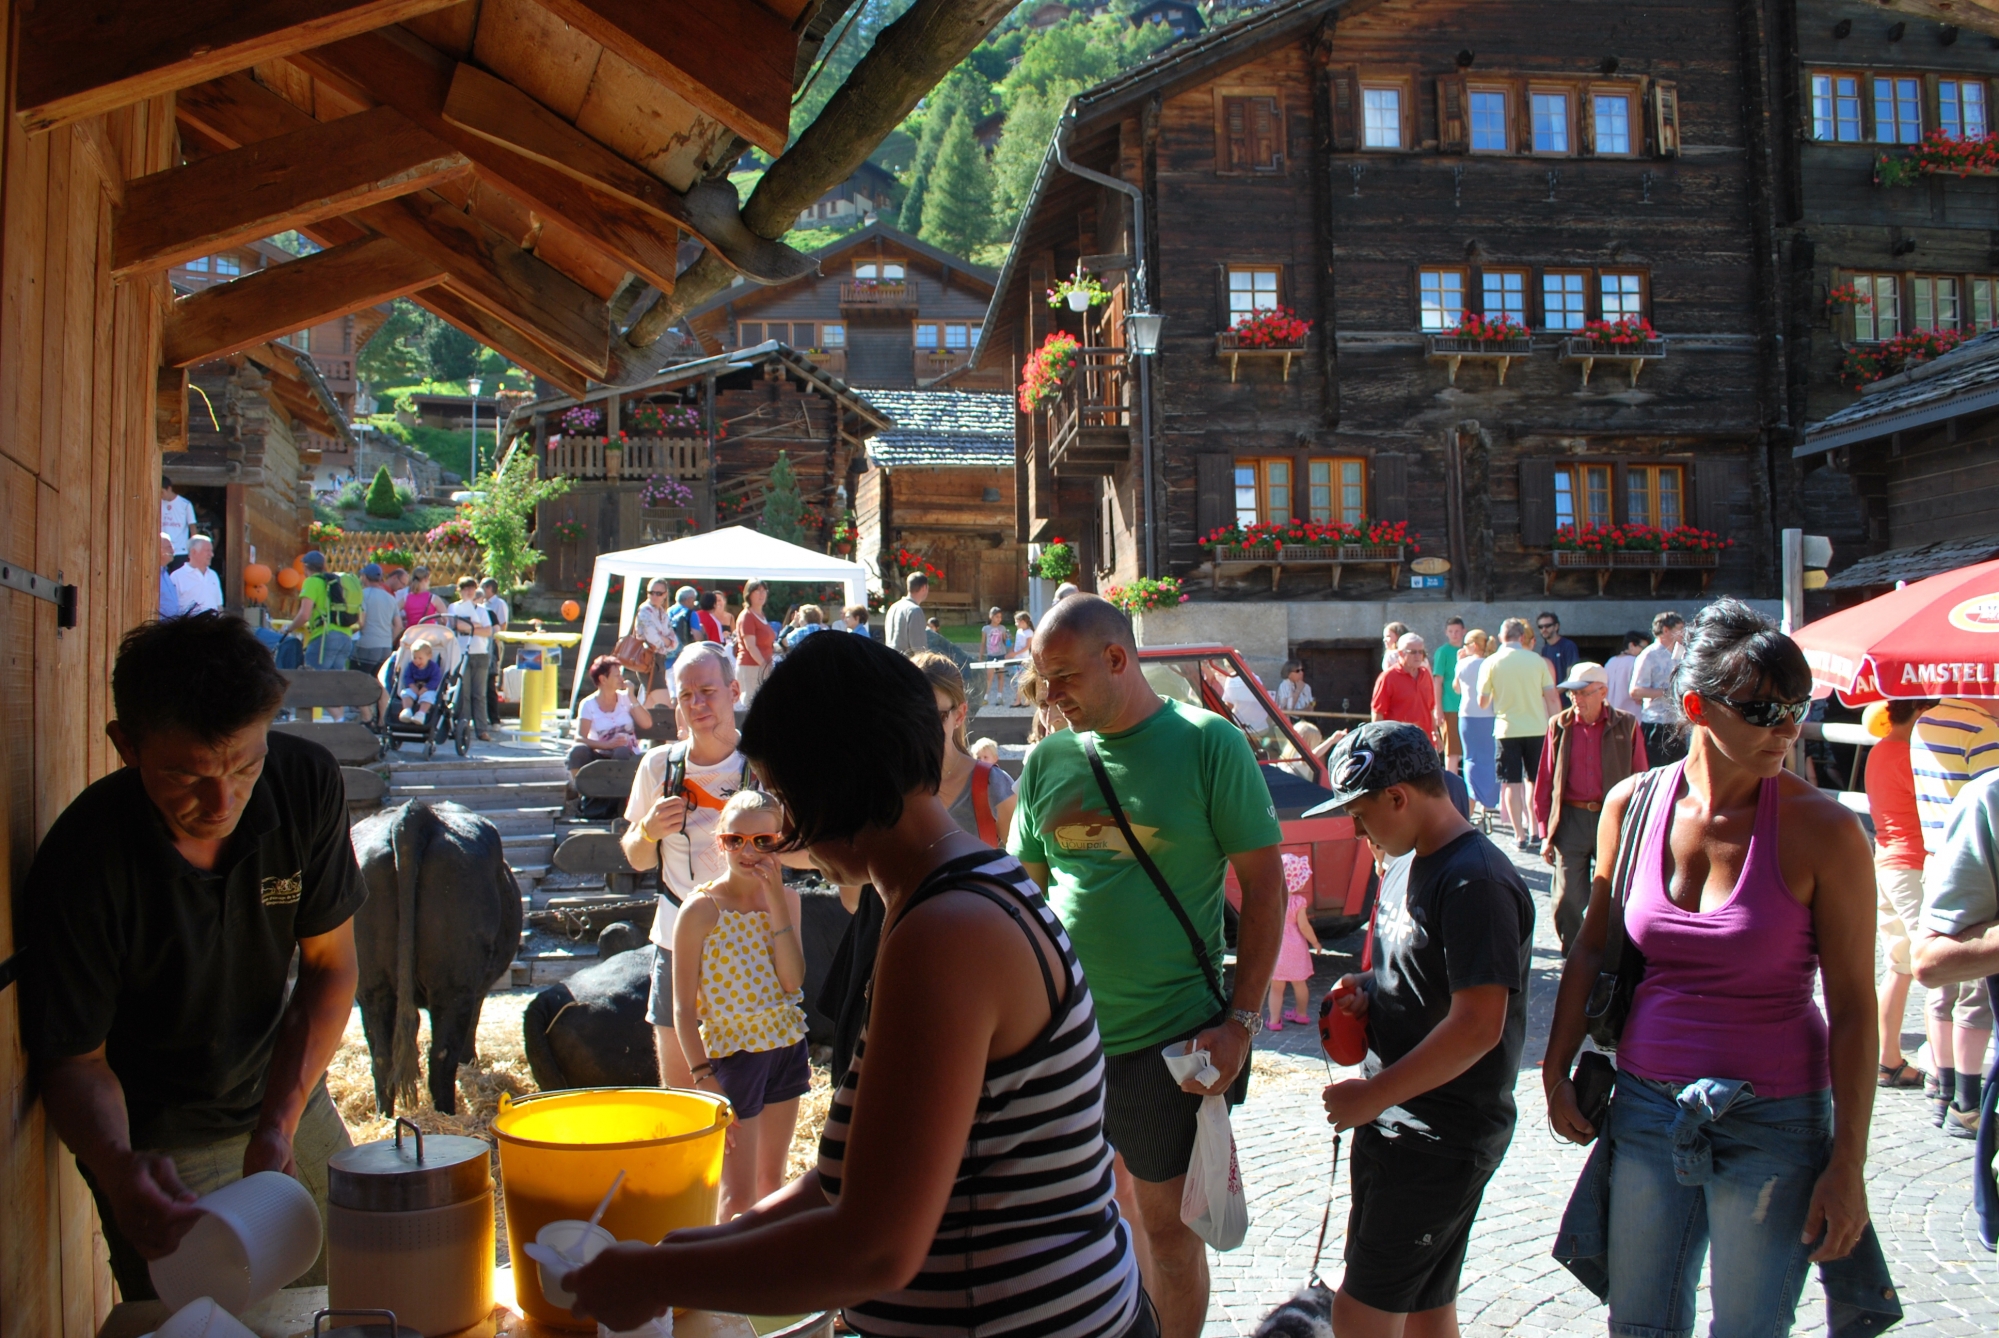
(382, 500)
(783, 510)
(958, 206)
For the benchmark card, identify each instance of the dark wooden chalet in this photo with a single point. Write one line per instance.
(1383, 169)
(884, 309)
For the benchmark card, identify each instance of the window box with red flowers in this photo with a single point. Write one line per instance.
(1307, 544)
(1272, 333)
(1939, 154)
(1047, 368)
(1630, 340)
(1868, 363)
(1604, 549)
(1497, 339)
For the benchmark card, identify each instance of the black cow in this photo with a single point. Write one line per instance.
(591, 1030)
(441, 923)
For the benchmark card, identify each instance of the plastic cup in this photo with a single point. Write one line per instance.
(202, 1318)
(575, 1238)
(1183, 1061)
(255, 1236)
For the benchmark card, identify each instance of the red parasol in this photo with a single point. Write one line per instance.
(1936, 638)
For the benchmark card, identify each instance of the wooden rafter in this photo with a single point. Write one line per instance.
(731, 59)
(79, 58)
(292, 296)
(328, 168)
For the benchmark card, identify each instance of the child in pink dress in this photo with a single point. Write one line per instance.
(1294, 959)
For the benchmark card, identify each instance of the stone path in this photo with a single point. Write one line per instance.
(1919, 1191)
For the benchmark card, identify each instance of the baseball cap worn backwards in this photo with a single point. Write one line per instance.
(1373, 757)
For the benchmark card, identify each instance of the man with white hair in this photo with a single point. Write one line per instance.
(196, 585)
(1407, 690)
(674, 809)
(169, 600)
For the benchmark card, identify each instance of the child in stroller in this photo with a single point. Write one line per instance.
(424, 704)
(422, 677)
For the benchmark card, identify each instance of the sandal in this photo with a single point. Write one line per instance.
(1903, 1074)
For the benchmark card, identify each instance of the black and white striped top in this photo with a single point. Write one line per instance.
(1031, 1241)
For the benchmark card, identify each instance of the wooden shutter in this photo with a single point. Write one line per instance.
(1708, 490)
(1585, 120)
(1346, 109)
(1523, 118)
(1453, 136)
(1665, 118)
(1221, 297)
(1537, 503)
(1214, 489)
(1263, 143)
(1391, 488)
(1235, 134)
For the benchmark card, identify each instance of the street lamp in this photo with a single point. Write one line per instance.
(472, 384)
(1144, 330)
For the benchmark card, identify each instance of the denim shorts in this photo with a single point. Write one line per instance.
(753, 1079)
(1732, 1184)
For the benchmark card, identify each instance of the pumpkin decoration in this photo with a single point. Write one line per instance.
(571, 610)
(256, 574)
(257, 594)
(298, 564)
(290, 579)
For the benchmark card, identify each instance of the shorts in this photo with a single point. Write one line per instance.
(1966, 1004)
(659, 1000)
(1898, 904)
(1519, 759)
(1410, 1222)
(1453, 744)
(1147, 1118)
(753, 1079)
(369, 658)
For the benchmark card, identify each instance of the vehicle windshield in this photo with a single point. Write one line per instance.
(1212, 682)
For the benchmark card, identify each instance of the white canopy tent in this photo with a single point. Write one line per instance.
(730, 554)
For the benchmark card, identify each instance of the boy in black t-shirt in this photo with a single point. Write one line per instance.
(1446, 1011)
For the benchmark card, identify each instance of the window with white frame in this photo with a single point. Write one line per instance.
(1836, 108)
(1898, 110)
(1984, 303)
(1611, 117)
(1936, 302)
(1961, 108)
(1440, 297)
(1252, 288)
(1563, 300)
(1381, 113)
(1488, 121)
(1880, 316)
(1550, 113)
(1504, 293)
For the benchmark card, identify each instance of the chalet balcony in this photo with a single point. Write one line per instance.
(1303, 558)
(1089, 428)
(932, 363)
(833, 360)
(871, 295)
(1454, 350)
(636, 458)
(1632, 357)
(1604, 565)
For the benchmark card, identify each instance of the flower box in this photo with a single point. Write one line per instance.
(1452, 350)
(1633, 354)
(1334, 558)
(1654, 562)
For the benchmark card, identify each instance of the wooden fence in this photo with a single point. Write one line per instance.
(636, 458)
(447, 562)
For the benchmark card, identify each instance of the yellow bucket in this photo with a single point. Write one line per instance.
(560, 1151)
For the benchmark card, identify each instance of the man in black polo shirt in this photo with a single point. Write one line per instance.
(158, 923)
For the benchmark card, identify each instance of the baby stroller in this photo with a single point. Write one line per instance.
(449, 717)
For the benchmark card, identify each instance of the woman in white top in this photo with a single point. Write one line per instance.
(652, 627)
(1475, 722)
(608, 720)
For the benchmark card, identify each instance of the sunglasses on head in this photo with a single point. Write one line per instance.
(1768, 714)
(763, 843)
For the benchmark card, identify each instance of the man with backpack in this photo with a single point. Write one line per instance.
(329, 611)
(674, 809)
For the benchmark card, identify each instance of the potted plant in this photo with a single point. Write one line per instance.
(1047, 368)
(846, 535)
(570, 531)
(1626, 334)
(581, 421)
(1844, 297)
(1477, 328)
(1147, 594)
(660, 492)
(392, 558)
(661, 420)
(1057, 561)
(1271, 328)
(320, 533)
(1867, 363)
(1080, 292)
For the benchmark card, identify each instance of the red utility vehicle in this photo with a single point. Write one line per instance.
(1216, 678)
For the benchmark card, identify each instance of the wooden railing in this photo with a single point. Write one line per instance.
(1089, 428)
(447, 562)
(885, 295)
(635, 458)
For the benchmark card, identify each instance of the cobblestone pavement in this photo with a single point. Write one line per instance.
(1919, 1191)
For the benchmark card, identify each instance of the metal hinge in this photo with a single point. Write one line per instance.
(41, 587)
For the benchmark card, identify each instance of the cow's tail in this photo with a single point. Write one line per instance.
(408, 846)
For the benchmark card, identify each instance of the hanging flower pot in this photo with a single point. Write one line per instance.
(1079, 299)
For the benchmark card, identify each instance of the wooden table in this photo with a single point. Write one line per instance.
(289, 1315)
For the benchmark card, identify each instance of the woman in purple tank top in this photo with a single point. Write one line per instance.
(1740, 1112)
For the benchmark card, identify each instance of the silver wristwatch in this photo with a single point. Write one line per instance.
(1249, 1019)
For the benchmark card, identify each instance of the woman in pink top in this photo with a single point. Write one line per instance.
(1740, 1112)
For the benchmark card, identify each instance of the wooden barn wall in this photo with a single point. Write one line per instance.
(79, 489)
(1686, 221)
(942, 515)
(770, 416)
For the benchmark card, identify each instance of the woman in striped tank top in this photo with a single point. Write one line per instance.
(964, 1185)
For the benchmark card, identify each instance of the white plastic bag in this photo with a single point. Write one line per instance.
(1213, 1203)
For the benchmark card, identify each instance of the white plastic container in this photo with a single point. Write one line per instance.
(575, 1238)
(256, 1236)
(202, 1318)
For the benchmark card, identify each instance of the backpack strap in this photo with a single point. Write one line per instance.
(982, 803)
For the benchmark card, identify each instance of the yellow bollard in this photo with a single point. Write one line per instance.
(537, 694)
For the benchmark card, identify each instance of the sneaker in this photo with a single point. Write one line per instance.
(1960, 1123)
(1938, 1109)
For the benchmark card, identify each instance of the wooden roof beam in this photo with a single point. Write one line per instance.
(292, 296)
(327, 168)
(729, 58)
(79, 58)
(395, 68)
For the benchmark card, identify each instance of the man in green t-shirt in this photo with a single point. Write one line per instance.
(1188, 785)
(329, 613)
(1444, 668)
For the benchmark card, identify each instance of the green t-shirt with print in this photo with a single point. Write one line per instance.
(1444, 664)
(1190, 786)
(326, 615)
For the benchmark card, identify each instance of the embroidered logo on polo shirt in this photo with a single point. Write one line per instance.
(283, 891)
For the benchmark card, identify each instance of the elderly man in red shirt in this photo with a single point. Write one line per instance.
(1590, 747)
(1406, 690)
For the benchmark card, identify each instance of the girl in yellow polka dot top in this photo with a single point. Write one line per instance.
(738, 982)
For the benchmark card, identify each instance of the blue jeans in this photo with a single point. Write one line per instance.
(1710, 1164)
(328, 650)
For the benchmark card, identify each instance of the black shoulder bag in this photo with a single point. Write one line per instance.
(1623, 965)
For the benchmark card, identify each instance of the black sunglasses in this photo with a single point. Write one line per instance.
(1768, 714)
